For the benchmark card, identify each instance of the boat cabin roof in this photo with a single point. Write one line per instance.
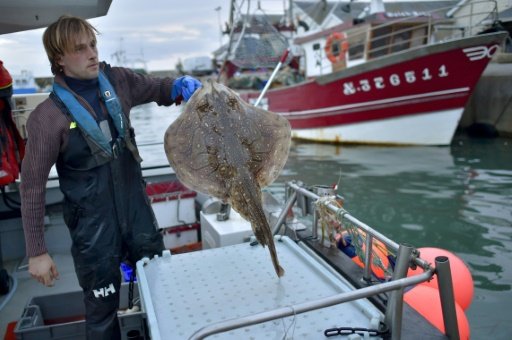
(22, 15)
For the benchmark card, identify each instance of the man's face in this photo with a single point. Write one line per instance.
(81, 62)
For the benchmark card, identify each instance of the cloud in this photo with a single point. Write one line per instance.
(161, 32)
(167, 32)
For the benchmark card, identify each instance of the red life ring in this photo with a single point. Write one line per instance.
(336, 46)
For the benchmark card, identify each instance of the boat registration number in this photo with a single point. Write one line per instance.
(395, 79)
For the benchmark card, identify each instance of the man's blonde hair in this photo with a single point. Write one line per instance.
(60, 37)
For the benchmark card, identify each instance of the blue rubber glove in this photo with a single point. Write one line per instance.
(184, 87)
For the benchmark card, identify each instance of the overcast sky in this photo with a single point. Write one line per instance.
(159, 31)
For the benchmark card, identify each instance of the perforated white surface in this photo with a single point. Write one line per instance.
(185, 292)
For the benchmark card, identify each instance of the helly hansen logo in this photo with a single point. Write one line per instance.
(104, 292)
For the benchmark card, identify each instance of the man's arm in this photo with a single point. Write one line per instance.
(45, 129)
(134, 88)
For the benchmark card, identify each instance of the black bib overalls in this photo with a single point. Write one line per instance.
(109, 218)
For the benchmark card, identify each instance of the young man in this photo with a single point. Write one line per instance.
(84, 128)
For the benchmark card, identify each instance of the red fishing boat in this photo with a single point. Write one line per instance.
(387, 80)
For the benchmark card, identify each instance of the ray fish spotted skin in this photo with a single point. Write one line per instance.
(222, 146)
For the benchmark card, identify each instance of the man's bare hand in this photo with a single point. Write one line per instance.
(43, 269)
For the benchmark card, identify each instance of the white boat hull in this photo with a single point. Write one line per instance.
(403, 130)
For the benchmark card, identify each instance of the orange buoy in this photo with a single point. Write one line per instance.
(426, 301)
(336, 46)
(463, 287)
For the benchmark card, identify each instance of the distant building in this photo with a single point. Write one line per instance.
(24, 82)
(198, 66)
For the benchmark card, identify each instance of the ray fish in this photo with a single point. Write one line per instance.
(229, 149)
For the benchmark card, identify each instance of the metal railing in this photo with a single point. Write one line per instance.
(443, 24)
(304, 198)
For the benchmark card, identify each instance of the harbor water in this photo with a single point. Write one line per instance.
(458, 198)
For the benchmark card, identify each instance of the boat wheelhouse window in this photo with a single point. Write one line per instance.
(419, 36)
(356, 48)
(396, 38)
(379, 42)
(357, 40)
(400, 41)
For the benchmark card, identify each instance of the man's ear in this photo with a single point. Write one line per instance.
(58, 60)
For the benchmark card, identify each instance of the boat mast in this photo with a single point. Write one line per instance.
(231, 29)
(231, 13)
(290, 14)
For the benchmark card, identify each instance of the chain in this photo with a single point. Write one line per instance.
(357, 330)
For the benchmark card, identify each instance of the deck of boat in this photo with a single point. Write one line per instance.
(214, 285)
(24, 287)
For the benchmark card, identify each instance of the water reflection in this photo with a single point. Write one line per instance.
(150, 122)
(456, 197)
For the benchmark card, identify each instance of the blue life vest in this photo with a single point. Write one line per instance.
(84, 119)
